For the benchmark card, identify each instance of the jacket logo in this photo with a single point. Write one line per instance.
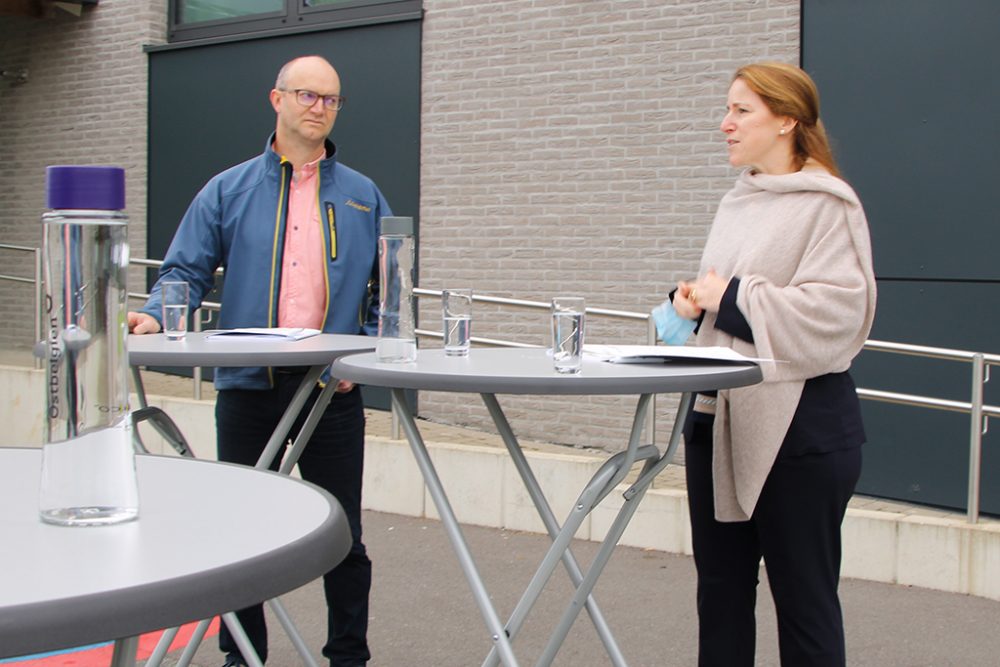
(360, 207)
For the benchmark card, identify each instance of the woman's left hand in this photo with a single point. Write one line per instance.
(707, 291)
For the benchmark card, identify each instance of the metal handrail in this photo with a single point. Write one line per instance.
(37, 281)
(979, 413)
(199, 315)
(650, 425)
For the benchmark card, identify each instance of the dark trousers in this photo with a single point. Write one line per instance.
(796, 529)
(333, 459)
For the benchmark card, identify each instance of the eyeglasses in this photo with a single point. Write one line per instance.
(307, 98)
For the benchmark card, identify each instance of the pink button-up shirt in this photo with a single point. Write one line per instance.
(302, 299)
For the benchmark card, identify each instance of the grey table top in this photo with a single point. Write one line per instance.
(195, 349)
(529, 371)
(210, 538)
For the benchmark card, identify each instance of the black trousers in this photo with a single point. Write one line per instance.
(334, 460)
(796, 529)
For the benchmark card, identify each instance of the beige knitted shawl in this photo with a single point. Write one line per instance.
(800, 245)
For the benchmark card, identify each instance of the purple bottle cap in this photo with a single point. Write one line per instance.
(94, 188)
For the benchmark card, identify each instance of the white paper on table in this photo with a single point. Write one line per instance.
(645, 354)
(283, 333)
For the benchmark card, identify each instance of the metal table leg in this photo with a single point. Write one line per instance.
(192, 646)
(124, 652)
(610, 474)
(274, 444)
(241, 639)
(319, 407)
(600, 485)
(291, 457)
(288, 419)
(461, 547)
(162, 646)
(552, 527)
(632, 497)
(291, 631)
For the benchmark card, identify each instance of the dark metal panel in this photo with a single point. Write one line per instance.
(917, 454)
(908, 92)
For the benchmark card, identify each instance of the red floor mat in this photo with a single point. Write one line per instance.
(99, 655)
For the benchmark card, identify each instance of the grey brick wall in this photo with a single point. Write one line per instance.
(84, 103)
(573, 147)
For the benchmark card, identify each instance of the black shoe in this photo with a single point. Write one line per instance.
(234, 661)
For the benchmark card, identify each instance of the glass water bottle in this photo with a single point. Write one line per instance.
(397, 336)
(88, 465)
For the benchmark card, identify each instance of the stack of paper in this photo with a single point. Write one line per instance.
(283, 333)
(644, 354)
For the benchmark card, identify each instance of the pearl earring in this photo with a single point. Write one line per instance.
(781, 131)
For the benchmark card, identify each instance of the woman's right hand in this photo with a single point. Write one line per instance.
(684, 301)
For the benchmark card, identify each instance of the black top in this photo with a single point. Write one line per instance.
(828, 417)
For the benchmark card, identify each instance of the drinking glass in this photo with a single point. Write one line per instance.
(175, 308)
(567, 333)
(456, 308)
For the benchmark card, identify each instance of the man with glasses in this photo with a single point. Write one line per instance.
(297, 234)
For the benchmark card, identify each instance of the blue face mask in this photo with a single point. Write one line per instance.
(671, 328)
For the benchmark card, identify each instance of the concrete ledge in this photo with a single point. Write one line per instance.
(946, 554)
(22, 396)
(22, 393)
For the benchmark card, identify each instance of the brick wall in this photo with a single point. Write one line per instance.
(84, 103)
(572, 147)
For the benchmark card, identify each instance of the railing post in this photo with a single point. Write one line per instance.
(40, 325)
(651, 412)
(976, 436)
(196, 371)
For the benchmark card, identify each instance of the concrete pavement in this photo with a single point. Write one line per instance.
(423, 615)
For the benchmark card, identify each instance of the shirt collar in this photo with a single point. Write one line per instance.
(308, 169)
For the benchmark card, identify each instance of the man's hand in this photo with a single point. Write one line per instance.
(343, 386)
(141, 323)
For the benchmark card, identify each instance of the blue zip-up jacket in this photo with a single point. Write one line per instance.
(237, 221)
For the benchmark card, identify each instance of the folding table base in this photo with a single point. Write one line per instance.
(166, 427)
(610, 474)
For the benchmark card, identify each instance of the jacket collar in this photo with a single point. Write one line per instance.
(326, 164)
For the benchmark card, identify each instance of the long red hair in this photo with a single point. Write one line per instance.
(789, 91)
